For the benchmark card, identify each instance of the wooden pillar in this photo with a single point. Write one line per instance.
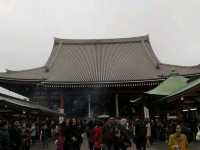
(62, 110)
(89, 107)
(62, 103)
(116, 105)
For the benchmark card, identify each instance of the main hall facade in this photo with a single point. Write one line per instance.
(92, 77)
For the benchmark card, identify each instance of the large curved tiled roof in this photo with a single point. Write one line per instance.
(107, 60)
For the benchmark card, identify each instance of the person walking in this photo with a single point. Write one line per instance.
(60, 141)
(198, 133)
(140, 135)
(33, 133)
(15, 136)
(108, 134)
(27, 139)
(98, 136)
(73, 137)
(90, 134)
(148, 136)
(178, 141)
(4, 136)
(44, 135)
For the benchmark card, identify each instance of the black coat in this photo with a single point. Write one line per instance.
(70, 132)
(4, 139)
(140, 130)
(15, 138)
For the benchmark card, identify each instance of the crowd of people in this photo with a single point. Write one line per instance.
(102, 134)
(20, 135)
(119, 134)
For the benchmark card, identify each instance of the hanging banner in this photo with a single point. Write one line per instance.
(61, 118)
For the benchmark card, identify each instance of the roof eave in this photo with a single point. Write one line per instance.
(101, 41)
(21, 79)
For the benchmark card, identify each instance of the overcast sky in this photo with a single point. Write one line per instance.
(28, 27)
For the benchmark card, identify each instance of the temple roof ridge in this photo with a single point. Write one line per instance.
(101, 40)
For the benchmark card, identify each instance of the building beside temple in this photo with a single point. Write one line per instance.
(91, 77)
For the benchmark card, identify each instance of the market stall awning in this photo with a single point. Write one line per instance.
(169, 86)
(17, 101)
(186, 88)
(7, 92)
(25, 105)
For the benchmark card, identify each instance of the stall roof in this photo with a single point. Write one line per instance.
(12, 94)
(169, 86)
(185, 88)
(25, 105)
(13, 101)
(16, 100)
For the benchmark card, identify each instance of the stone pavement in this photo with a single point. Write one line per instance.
(163, 146)
(156, 146)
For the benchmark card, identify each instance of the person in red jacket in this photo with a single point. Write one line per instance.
(98, 136)
(90, 134)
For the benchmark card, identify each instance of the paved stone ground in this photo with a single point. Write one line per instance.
(163, 146)
(156, 146)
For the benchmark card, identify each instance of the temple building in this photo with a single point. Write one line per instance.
(94, 76)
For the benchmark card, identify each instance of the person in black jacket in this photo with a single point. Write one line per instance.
(44, 135)
(15, 136)
(66, 127)
(27, 139)
(76, 138)
(73, 137)
(4, 136)
(140, 135)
